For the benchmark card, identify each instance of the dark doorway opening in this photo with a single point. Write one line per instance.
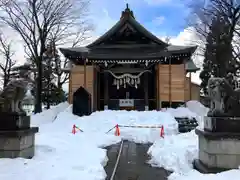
(82, 102)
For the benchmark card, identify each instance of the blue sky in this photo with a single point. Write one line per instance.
(162, 17)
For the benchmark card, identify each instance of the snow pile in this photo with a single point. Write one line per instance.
(199, 109)
(61, 155)
(101, 122)
(227, 175)
(181, 112)
(58, 153)
(48, 116)
(175, 152)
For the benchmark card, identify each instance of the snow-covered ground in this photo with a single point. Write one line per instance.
(61, 155)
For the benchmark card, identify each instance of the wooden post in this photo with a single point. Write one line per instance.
(170, 82)
(184, 94)
(70, 94)
(105, 90)
(157, 86)
(190, 86)
(146, 91)
(85, 74)
(95, 83)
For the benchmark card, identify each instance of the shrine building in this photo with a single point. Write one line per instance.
(130, 68)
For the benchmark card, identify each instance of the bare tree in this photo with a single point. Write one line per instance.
(6, 62)
(205, 11)
(37, 21)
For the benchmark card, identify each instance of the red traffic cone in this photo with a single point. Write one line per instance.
(162, 132)
(117, 132)
(74, 129)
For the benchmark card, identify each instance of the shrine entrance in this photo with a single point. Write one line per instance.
(128, 87)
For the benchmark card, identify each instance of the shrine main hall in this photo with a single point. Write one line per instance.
(130, 68)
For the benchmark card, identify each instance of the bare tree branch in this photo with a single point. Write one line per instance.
(38, 21)
(7, 62)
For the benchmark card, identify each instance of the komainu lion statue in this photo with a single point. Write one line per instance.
(224, 99)
(215, 93)
(15, 91)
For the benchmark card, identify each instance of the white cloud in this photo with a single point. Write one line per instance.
(189, 37)
(157, 2)
(158, 20)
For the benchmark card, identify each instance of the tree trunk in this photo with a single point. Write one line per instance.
(38, 105)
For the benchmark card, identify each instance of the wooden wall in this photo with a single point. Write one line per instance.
(195, 91)
(76, 80)
(171, 82)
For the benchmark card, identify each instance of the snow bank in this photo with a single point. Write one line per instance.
(175, 152)
(199, 109)
(181, 112)
(227, 175)
(101, 122)
(61, 155)
(47, 116)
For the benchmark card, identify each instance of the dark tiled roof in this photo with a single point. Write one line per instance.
(191, 67)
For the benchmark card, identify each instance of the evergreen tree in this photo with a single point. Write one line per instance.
(218, 52)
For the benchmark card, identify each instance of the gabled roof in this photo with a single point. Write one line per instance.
(127, 18)
(128, 40)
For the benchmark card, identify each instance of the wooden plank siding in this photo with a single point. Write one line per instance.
(77, 80)
(174, 83)
(195, 90)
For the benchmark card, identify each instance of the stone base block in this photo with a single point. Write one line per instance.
(17, 143)
(219, 150)
(202, 168)
(11, 121)
(222, 124)
(27, 153)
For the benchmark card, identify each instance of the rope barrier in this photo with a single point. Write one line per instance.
(140, 126)
(110, 129)
(129, 126)
(117, 161)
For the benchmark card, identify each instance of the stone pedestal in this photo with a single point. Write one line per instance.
(17, 138)
(14, 121)
(222, 124)
(219, 145)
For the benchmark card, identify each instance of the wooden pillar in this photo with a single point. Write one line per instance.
(85, 74)
(105, 90)
(184, 63)
(190, 86)
(157, 87)
(70, 94)
(170, 82)
(146, 91)
(95, 87)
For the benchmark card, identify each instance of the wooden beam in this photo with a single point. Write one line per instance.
(70, 92)
(146, 91)
(157, 85)
(190, 86)
(170, 82)
(106, 91)
(85, 74)
(125, 70)
(95, 83)
(184, 94)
